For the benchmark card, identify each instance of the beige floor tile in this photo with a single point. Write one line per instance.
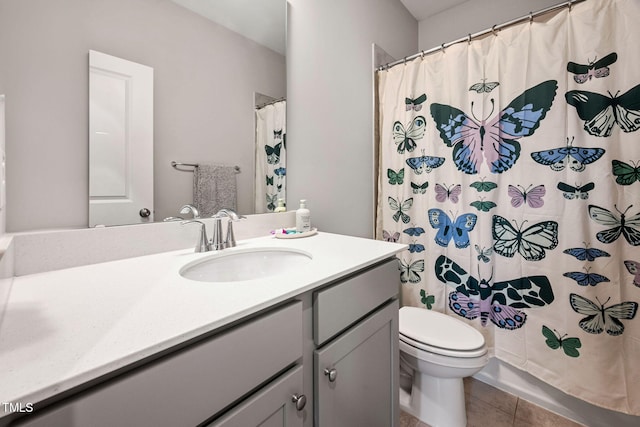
(407, 420)
(481, 414)
(531, 415)
(477, 390)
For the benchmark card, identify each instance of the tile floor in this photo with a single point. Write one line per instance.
(489, 407)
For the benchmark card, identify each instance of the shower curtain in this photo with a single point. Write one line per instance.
(271, 158)
(510, 165)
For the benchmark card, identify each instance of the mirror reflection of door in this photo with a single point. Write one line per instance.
(271, 158)
(120, 141)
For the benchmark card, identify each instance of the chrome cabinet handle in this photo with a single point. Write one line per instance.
(331, 373)
(300, 401)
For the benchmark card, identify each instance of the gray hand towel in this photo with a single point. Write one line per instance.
(214, 188)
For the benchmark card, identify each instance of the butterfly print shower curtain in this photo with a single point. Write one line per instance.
(520, 193)
(271, 157)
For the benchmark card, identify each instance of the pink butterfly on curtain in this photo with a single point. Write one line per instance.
(452, 193)
(533, 196)
(493, 140)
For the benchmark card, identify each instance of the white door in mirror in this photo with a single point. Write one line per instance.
(120, 141)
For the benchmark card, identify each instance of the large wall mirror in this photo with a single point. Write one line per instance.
(209, 70)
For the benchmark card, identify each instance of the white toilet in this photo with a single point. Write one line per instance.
(436, 352)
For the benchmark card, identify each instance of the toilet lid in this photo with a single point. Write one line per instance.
(438, 330)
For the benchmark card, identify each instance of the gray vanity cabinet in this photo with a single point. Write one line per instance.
(356, 371)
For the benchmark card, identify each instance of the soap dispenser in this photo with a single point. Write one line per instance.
(303, 218)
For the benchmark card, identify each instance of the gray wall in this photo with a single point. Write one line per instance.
(330, 104)
(205, 77)
(473, 16)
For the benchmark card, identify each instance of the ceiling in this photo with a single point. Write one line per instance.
(422, 9)
(262, 21)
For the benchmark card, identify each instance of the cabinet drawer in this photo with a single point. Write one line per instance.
(339, 306)
(190, 386)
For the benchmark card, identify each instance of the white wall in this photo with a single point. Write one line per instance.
(330, 98)
(205, 79)
(473, 16)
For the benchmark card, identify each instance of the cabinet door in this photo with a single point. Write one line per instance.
(272, 406)
(356, 375)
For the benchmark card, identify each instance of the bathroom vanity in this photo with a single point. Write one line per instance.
(132, 342)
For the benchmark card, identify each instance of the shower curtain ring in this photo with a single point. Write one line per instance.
(405, 60)
(569, 4)
(442, 47)
(493, 30)
(422, 54)
(469, 38)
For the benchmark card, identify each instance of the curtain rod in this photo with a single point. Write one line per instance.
(493, 30)
(273, 102)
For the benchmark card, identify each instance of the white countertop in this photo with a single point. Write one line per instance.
(63, 328)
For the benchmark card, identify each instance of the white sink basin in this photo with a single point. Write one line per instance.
(245, 264)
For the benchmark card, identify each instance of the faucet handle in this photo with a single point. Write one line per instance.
(230, 213)
(203, 244)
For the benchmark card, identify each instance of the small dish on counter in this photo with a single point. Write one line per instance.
(291, 233)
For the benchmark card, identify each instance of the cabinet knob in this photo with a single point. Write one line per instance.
(300, 401)
(331, 373)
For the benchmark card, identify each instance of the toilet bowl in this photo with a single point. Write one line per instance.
(436, 352)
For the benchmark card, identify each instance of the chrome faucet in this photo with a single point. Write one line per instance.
(203, 244)
(230, 240)
(190, 209)
(216, 243)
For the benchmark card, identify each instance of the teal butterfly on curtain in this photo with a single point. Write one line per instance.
(597, 69)
(271, 201)
(483, 205)
(601, 319)
(415, 104)
(405, 139)
(601, 113)
(395, 178)
(627, 227)
(530, 242)
(481, 185)
(554, 340)
(419, 188)
(493, 141)
(269, 179)
(499, 302)
(273, 153)
(427, 300)
(401, 207)
(625, 173)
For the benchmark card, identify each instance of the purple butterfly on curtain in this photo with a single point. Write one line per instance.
(531, 196)
(452, 193)
(501, 302)
(493, 140)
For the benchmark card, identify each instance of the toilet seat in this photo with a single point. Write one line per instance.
(444, 351)
(439, 334)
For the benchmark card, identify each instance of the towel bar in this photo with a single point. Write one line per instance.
(192, 165)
